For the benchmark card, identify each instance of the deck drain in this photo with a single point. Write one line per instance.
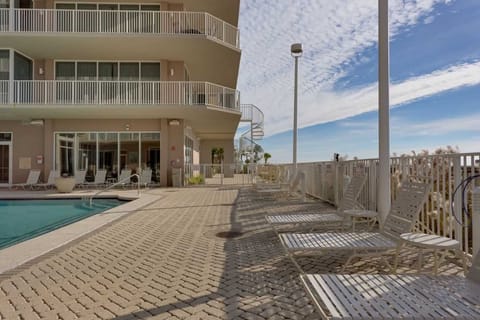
(229, 234)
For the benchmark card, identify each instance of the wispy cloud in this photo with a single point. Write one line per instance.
(326, 106)
(335, 35)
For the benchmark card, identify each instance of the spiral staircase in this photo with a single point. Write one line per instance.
(248, 139)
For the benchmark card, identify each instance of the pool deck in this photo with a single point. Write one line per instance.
(164, 261)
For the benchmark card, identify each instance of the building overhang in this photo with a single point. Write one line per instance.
(206, 58)
(207, 122)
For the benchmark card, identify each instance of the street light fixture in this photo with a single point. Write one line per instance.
(296, 51)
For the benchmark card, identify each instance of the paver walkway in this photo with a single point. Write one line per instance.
(165, 262)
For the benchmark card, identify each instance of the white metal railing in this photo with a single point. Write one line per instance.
(219, 174)
(119, 183)
(119, 21)
(66, 92)
(326, 181)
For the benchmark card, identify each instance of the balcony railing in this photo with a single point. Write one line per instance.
(59, 92)
(119, 22)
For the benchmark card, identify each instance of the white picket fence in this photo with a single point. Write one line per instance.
(325, 180)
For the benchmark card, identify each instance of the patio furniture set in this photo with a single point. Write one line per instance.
(374, 296)
(67, 184)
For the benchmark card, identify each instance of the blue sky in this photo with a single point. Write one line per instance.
(435, 75)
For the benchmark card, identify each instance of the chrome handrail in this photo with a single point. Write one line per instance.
(116, 184)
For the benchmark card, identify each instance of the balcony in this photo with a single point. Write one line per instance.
(58, 92)
(123, 22)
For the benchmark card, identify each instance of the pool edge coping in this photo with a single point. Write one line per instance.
(30, 251)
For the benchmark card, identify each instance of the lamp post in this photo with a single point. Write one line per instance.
(296, 51)
(384, 192)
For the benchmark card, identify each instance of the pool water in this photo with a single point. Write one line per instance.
(21, 220)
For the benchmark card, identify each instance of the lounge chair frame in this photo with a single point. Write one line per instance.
(311, 221)
(376, 296)
(401, 219)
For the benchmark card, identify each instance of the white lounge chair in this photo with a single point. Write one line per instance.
(378, 296)
(146, 177)
(401, 219)
(51, 180)
(312, 220)
(123, 179)
(80, 177)
(100, 177)
(32, 180)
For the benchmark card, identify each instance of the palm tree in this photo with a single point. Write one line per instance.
(266, 156)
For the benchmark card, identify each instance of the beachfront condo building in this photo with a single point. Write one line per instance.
(116, 85)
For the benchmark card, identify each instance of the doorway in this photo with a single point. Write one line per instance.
(5, 159)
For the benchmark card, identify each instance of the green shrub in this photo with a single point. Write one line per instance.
(196, 179)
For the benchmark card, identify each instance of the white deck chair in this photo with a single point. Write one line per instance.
(401, 219)
(312, 220)
(51, 180)
(32, 180)
(100, 177)
(123, 178)
(80, 177)
(378, 296)
(146, 177)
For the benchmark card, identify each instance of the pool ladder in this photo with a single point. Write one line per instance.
(123, 181)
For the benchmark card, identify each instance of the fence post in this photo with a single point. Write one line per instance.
(457, 178)
(476, 220)
(335, 183)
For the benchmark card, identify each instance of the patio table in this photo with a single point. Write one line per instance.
(423, 241)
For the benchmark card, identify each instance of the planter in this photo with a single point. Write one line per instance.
(65, 185)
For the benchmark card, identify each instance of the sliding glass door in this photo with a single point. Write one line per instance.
(5, 158)
(110, 151)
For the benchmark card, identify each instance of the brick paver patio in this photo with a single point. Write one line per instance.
(165, 262)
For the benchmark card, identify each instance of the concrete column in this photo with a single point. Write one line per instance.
(48, 161)
(383, 112)
(164, 149)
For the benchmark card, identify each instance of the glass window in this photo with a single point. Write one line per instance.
(86, 6)
(129, 151)
(86, 71)
(150, 71)
(4, 136)
(108, 153)
(150, 153)
(4, 4)
(65, 71)
(129, 71)
(65, 6)
(65, 153)
(87, 154)
(149, 7)
(93, 151)
(23, 67)
(107, 71)
(108, 6)
(4, 64)
(24, 4)
(130, 7)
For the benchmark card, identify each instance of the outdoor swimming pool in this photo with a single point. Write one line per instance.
(21, 220)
